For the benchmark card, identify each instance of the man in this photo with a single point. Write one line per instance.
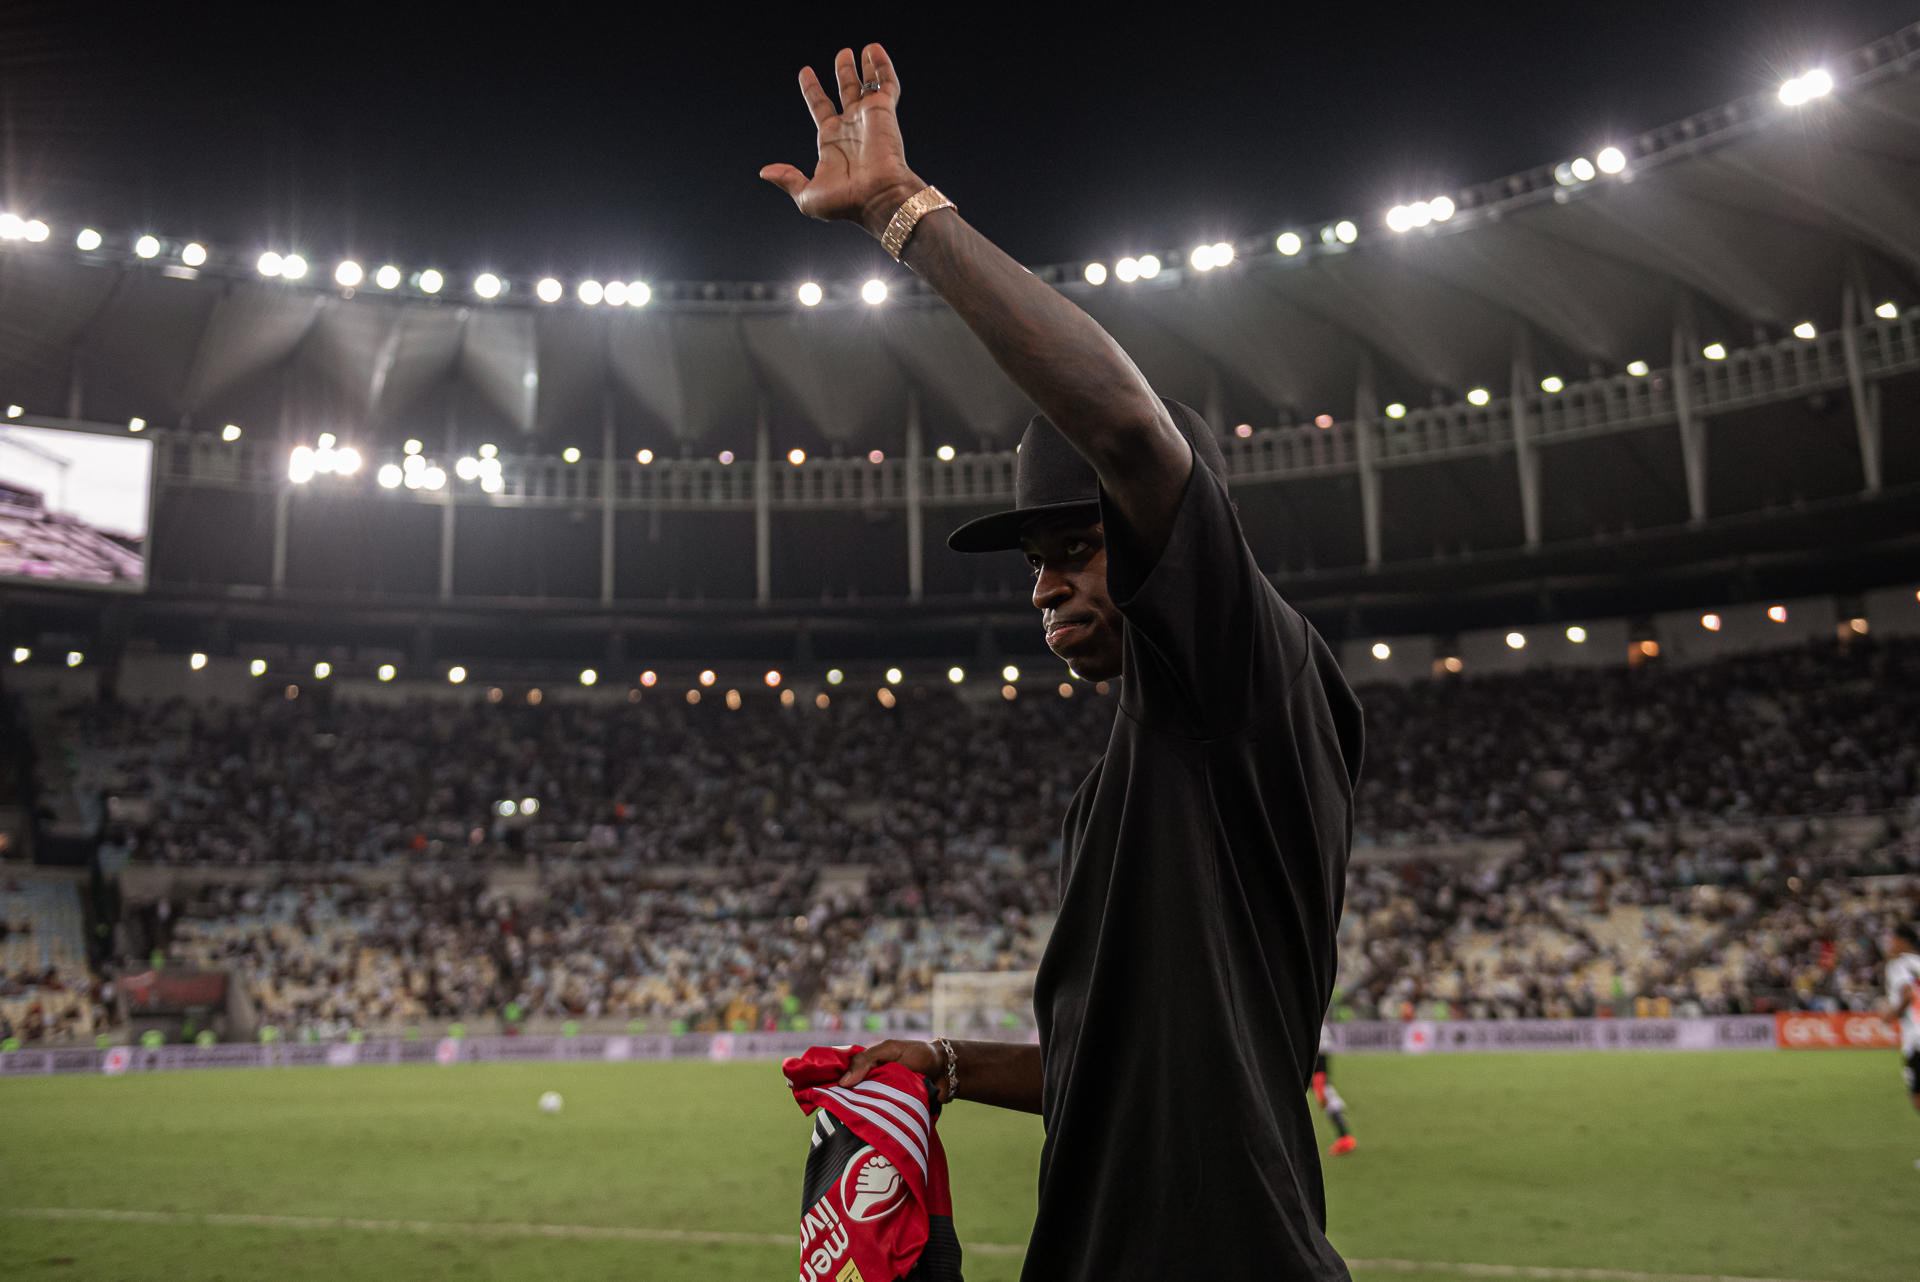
(1183, 988)
(1903, 1002)
(1329, 1098)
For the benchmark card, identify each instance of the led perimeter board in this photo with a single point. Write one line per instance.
(75, 507)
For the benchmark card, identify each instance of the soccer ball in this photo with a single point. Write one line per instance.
(550, 1102)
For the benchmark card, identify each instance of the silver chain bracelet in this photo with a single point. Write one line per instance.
(953, 1068)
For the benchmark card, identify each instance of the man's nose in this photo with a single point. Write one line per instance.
(1051, 589)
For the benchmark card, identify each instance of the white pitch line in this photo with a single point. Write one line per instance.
(707, 1237)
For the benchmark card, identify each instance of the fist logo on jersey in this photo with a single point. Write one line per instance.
(871, 1187)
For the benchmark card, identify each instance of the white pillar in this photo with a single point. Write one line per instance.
(1865, 395)
(446, 497)
(1366, 416)
(1526, 452)
(1693, 429)
(608, 475)
(916, 525)
(762, 506)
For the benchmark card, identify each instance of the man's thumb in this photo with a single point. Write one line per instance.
(786, 178)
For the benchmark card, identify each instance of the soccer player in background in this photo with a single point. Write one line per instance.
(1192, 960)
(1329, 1099)
(1903, 1003)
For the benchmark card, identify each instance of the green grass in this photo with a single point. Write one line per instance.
(1761, 1165)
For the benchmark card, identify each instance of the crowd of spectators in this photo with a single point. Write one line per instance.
(681, 858)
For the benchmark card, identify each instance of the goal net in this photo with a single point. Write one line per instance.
(984, 1005)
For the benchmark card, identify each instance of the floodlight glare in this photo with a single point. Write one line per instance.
(1441, 207)
(1096, 273)
(268, 264)
(87, 241)
(346, 460)
(1479, 396)
(1128, 270)
(322, 670)
(389, 477)
(1222, 253)
(1515, 641)
(1149, 266)
(1419, 213)
(1398, 219)
(230, 433)
(15, 411)
(1887, 311)
(467, 467)
(1805, 330)
(893, 676)
(1577, 634)
(1288, 243)
(835, 676)
(1582, 169)
(945, 453)
(956, 675)
(1396, 410)
(193, 254)
(491, 483)
(300, 468)
(430, 281)
(348, 274)
(1382, 651)
(1611, 160)
(548, 290)
(1818, 83)
(75, 658)
(1714, 351)
(571, 454)
(487, 285)
(258, 667)
(615, 293)
(590, 293)
(876, 456)
(21, 654)
(1345, 232)
(1243, 431)
(136, 425)
(1010, 673)
(588, 676)
(644, 457)
(456, 674)
(1563, 174)
(196, 661)
(386, 672)
(411, 448)
(37, 230)
(434, 478)
(147, 246)
(772, 678)
(1551, 383)
(387, 277)
(639, 293)
(12, 227)
(293, 267)
(810, 293)
(1778, 613)
(873, 293)
(1711, 622)
(706, 677)
(796, 456)
(489, 450)
(1637, 368)
(1201, 259)
(726, 457)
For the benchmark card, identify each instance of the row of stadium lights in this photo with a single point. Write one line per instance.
(1609, 161)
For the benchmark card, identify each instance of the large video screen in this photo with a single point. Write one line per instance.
(74, 507)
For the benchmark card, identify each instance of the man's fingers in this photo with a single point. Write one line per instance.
(786, 178)
(849, 77)
(817, 101)
(880, 67)
(857, 1067)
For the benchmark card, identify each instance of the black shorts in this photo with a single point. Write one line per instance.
(1910, 1069)
(1320, 1064)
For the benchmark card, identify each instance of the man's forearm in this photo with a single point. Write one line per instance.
(1002, 1074)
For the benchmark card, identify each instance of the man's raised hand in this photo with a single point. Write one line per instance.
(862, 173)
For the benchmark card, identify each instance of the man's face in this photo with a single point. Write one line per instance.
(1068, 556)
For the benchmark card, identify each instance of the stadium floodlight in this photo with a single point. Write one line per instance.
(268, 264)
(1577, 634)
(945, 453)
(487, 285)
(796, 456)
(1243, 431)
(257, 668)
(87, 241)
(293, 267)
(386, 672)
(492, 482)
(894, 676)
(1127, 270)
(430, 281)
(1323, 421)
(1887, 311)
(12, 227)
(1345, 232)
(136, 425)
(147, 246)
(37, 230)
(876, 456)
(300, 464)
(548, 290)
(348, 274)
(772, 678)
(1479, 396)
(1096, 273)
(1563, 174)
(196, 661)
(588, 676)
(590, 292)
(615, 293)
(193, 254)
(956, 675)
(489, 450)
(1805, 330)
(467, 468)
(346, 460)
(1149, 266)
(15, 411)
(505, 808)
(571, 454)
(1516, 641)
(1222, 253)
(1637, 368)
(1551, 383)
(322, 670)
(1419, 213)
(1382, 651)
(644, 457)
(21, 654)
(1396, 410)
(75, 658)
(1582, 169)
(648, 677)
(389, 476)
(388, 277)
(411, 448)
(1806, 87)
(706, 677)
(434, 478)
(810, 293)
(230, 433)
(874, 292)
(1714, 351)
(1777, 613)
(1611, 160)
(1711, 622)
(835, 676)
(530, 806)
(726, 458)
(1287, 243)
(1398, 219)
(639, 293)
(456, 674)
(1441, 207)
(1010, 673)
(1201, 259)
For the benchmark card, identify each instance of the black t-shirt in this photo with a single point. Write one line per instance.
(1181, 994)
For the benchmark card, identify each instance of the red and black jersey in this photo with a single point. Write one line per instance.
(874, 1205)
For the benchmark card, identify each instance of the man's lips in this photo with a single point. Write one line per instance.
(1060, 629)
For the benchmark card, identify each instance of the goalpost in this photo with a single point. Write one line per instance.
(984, 1005)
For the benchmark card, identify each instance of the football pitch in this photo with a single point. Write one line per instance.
(1600, 1166)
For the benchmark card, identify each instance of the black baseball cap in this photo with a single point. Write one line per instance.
(1051, 477)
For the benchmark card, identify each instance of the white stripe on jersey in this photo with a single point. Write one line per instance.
(1903, 987)
(858, 1108)
(919, 1106)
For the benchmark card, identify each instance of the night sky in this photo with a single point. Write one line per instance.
(555, 138)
